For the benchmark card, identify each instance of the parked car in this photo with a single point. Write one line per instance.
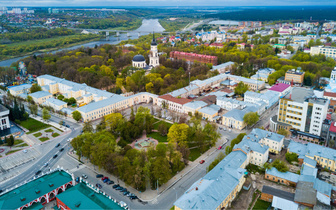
(133, 197)
(57, 145)
(68, 126)
(130, 194)
(119, 188)
(61, 150)
(220, 147)
(99, 175)
(124, 190)
(202, 161)
(115, 186)
(99, 186)
(110, 182)
(70, 139)
(84, 176)
(77, 179)
(104, 178)
(46, 164)
(55, 156)
(38, 172)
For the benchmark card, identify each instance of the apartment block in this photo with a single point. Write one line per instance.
(303, 110)
(329, 52)
(295, 76)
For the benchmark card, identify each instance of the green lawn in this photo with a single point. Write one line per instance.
(12, 151)
(17, 141)
(157, 136)
(49, 130)
(33, 125)
(44, 139)
(194, 154)
(37, 134)
(156, 125)
(55, 135)
(23, 145)
(260, 204)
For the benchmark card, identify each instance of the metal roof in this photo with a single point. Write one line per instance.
(20, 87)
(283, 175)
(195, 104)
(40, 94)
(56, 102)
(279, 193)
(280, 203)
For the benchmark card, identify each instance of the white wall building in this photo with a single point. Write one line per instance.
(329, 52)
(4, 120)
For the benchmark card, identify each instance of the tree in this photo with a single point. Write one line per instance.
(35, 88)
(45, 114)
(10, 141)
(30, 99)
(178, 134)
(71, 101)
(241, 88)
(228, 150)
(251, 118)
(218, 159)
(291, 157)
(33, 109)
(163, 128)
(283, 132)
(87, 127)
(76, 115)
(113, 121)
(280, 165)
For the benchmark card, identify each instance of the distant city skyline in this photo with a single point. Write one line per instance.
(111, 3)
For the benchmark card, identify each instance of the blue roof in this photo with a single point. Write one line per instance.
(195, 104)
(40, 94)
(309, 161)
(298, 148)
(323, 187)
(211, 190)
(258, 134)
(101, 104)
(284, 175)
(223, 65)
(306, 170)
(20, 87)
(183, 90)
(238, 114)
(56, 101)
(247, 146)
(210, 110)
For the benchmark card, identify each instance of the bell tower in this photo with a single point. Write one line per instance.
(153, 56)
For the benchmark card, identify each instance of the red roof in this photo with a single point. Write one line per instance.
(279, 87)
(194, 54)
(329, 94)
(332, 127)
(175, 100)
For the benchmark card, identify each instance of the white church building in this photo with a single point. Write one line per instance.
(139, 61)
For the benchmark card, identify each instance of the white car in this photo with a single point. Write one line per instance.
(70, 139)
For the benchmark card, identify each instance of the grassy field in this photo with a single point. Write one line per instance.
(12, 151)
(18, 141)
(49, 130)
(157, 136)
(37, 134)
(55, 135)
(44, 139)
(33, 125)
(194, 154)
(156, 125)
(23, 145)
(260, 204)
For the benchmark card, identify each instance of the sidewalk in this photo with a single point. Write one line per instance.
(148, 195)
(56, 125)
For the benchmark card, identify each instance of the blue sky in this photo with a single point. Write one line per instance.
(109, 3)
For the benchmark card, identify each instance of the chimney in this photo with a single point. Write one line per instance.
(196, 188)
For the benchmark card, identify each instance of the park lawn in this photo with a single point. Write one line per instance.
(49, 130)
(12, 151)
(194, 154)
(156, 125)
(260, 204)
(44, 139)
(17, 141)
(33, 125)
(55, 135)
(23, 145)
(158, 136)
(37, 134)
(155, 120)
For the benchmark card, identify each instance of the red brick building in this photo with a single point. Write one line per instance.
(194, 57)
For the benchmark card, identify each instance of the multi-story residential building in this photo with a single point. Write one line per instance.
(193, 57)
(303, 111)
(210, 113)
(193, 106)
(295, 76)
(19, 89)
(4, 120)
(224, 67)
(40, 97)
(274, 141)
(329, 52)
(281, 88)
(55, 104)
(235, 117)
(175, 104)
(257, 154)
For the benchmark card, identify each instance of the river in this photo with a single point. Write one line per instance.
(148, 26)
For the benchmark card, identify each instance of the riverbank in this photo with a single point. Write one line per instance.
(45, 42)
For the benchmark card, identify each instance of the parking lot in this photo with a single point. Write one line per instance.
(18, 158)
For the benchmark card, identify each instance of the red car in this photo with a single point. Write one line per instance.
(104, 178)
(202, 161)
(220, 147)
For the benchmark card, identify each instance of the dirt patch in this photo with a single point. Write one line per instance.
(244, 197)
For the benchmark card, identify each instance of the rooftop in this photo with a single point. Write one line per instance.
(210, 110)
(181, 101)
(247, 146)
(40, 94)
(215, 186)
(56, 102)
(20, 87)
(279, 87)
(195, 104)
(100, 104)
(238, 114)
(279, 193)
(284, 175)
(305, 193)
(83, 197)
(223, 65)
(30, 191)
(300, 94)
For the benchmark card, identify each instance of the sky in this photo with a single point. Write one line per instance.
(111, 3)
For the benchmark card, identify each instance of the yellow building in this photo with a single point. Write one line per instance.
(295, 76)
(40, 97)
(210, 113)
